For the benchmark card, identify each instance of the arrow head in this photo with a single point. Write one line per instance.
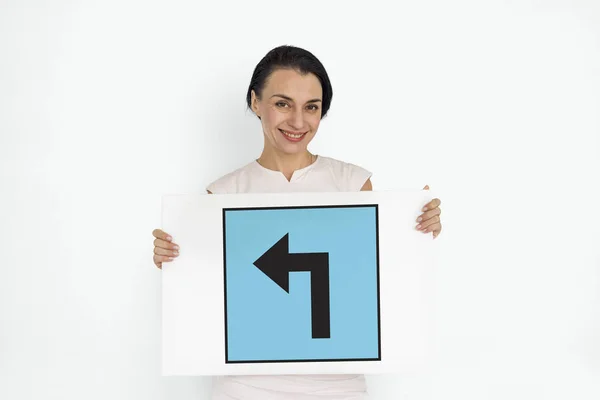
(274, 263)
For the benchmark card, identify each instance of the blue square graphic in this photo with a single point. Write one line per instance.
(301, 284)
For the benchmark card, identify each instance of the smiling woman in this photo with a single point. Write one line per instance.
(289, 107)
(290, 93)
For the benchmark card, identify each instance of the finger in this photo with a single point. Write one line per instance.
(164, 252)
(165, 245)
(436, 233)
(432, 204)
(158, 260)
(426, 187)
(429, 214)
(159, 234)
(161, 259)
(426, 224)
(433, 228)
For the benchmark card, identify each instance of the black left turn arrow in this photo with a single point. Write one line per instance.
(278, 262)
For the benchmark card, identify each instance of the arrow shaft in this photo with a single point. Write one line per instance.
(318, 266)
(319, 296)
(307, 261)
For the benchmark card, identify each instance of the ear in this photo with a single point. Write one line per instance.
(254, 103)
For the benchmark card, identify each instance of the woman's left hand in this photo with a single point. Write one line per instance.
(430, 220)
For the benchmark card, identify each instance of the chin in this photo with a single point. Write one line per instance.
(292, 149)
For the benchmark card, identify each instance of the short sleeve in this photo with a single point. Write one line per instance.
(347, 177)
(223, 185)
(357, 176)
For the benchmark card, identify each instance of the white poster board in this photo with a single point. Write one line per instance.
(296, 283)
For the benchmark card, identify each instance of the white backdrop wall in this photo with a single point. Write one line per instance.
(106, 106)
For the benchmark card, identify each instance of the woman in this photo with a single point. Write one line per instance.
(290, 93)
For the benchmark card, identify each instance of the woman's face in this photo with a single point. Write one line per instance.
(290, 110)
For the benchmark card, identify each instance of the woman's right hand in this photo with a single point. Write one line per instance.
(164, 249)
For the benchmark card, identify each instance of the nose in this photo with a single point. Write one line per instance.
(296, 119)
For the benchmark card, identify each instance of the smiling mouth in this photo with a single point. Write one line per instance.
(293, 136)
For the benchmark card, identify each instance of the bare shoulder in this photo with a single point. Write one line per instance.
(368, 186)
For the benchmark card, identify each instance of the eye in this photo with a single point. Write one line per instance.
(281, 104)
(313, 107)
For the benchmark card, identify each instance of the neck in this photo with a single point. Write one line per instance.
(285, 163)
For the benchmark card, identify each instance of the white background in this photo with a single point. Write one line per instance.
(106, 106)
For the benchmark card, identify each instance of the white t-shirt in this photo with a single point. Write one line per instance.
(323, 175)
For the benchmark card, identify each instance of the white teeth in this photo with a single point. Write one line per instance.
(292, 135)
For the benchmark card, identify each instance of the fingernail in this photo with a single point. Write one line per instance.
(425, 208)
(169, 238)
(418, 226)
(176, 247)
(419, 219)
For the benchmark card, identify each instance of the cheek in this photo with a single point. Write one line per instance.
(314, 121)
(272, 118)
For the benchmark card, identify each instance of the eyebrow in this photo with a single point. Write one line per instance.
(290, 99)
